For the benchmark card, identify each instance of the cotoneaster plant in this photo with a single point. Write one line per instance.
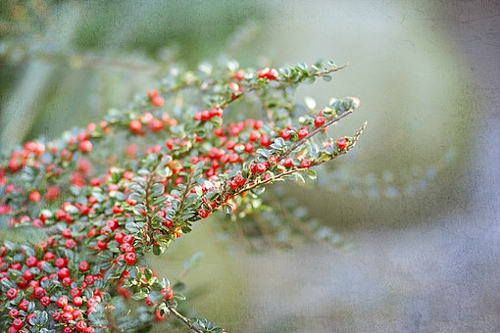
(103, 197)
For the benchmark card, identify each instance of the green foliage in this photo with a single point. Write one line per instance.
(104, 203)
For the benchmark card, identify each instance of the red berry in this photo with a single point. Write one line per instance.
(268, 73)
(89, 279)
(265, 141)
(17, 323)
(39, 292)
(203, 213)
(66, 233)
(81, 326)
(24, 305)
(254, 136)
(77, 301)
(167, 223)
(216, 112)
(157, 101)
(342, 143)
(12, 293)
(319, 121)
(117, 210)
(85, 146)
(28, 275)
(65, 318)
(84, 266)
(197, 116)
(126, 247)
(16, 266)
(167, 292)
(152, 93)
(70, 243)
(303, 132)
(239, 75)
(31, 261)
(75, 292)
(56, 316)
(285, 134)
(113, 223)
(62, 301)
(288, 162)
(60, 262)
(135, 126)
(234, 87)
(128, 239)
(305, 163)
(63, 273)
(35, 196)
(159, 316)
(248, 147)
(261, 167)
(14, 312)
(148, 301)
(155, 125)
(76, 313)
(119, 237)
(130, 258)
(45, 301)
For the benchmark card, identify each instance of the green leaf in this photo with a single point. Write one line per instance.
(227, 209)
(157, 190)
(327, 78)
(312, 174)
(310, 102)
(264, 153)
(158, 201)
(258, 190)
(300, 177)
(193, 262)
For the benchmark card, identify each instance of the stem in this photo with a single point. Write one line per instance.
(292, 171)
(186, 192)
(184, 319)
(225, 104)
(331, 70)
(311, 134)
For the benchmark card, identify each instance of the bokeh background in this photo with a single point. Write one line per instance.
(417, 201)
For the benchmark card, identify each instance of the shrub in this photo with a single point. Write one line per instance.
(103, 197)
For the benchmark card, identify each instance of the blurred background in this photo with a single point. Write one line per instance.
(417, 200)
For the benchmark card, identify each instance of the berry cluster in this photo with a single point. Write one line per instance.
(102, 205)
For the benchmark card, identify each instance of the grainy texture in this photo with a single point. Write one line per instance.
(439, 275)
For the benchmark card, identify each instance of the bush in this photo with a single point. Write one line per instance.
(103, 197)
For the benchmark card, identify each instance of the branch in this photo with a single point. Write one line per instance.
(184, 319)
(311, 134)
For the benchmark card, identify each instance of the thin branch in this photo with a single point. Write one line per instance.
(292, 171)
(311, 134)
(331, 70)
(184, 319)
(186, 191)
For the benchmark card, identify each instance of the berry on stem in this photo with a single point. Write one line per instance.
(85, 146)
(130, 198)
(342, 143)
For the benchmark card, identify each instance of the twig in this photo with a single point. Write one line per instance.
(184, 319)
(311, 134)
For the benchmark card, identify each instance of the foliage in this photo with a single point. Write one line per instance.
(103, 197)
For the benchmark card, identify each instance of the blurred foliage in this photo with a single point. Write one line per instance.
(75, 57)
